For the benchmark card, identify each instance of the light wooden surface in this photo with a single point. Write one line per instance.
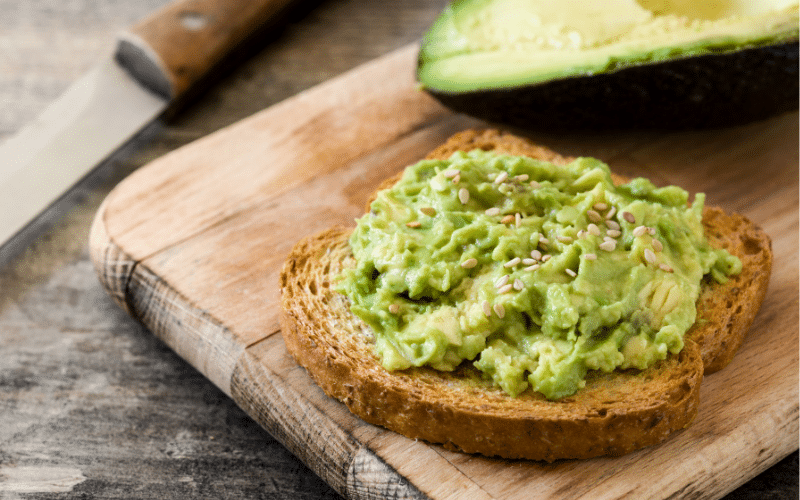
(192, 245)
(92, 404)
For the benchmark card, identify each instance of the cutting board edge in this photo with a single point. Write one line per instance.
(346, 462)
(363, 474)
(112, 265)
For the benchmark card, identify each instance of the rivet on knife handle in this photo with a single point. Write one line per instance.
(176, 46)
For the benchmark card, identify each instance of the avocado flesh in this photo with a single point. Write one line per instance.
(501, 44)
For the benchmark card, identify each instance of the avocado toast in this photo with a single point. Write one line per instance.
(616, 412)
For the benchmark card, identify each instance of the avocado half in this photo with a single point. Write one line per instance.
(601, 64)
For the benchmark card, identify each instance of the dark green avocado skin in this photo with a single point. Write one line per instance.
(707, 91)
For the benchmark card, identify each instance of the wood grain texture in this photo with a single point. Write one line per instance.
(85, 387)
(339, 458)
(208, 225)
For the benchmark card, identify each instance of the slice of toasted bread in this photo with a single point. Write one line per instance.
(614, 414)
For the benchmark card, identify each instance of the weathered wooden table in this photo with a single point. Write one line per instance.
(91, 404)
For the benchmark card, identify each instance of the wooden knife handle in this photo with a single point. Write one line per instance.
(175, 47)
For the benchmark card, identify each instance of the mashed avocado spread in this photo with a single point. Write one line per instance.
(534, 272)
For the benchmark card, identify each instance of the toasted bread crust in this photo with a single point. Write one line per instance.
(728, 310)
(614, 414)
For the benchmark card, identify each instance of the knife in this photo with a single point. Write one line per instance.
(156, 65)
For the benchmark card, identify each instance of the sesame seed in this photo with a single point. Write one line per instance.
(457, 179)
(582, 234)
(499, 310)
(649, 256)
(463, 195)
(571, 272)
(492, 211)
(594, 216)
(609, 238)
(611, 213)
(513, 262)
(629, 217)
(508, 218)
(590, 256)
(487, 309)
(429, 211)
(469, 263)
(593, 229)
(517, 219)
(501, 281)
(651, 231)
(600, 206)
(614, 233)
(532, 268)
(535, 185)
(612, 224)
(665, 267)
(518, 284)
(657, 246)
(394, 308)
(521, 178)
(505, 288)
(536, 254)
(545, 258)
(564, 239)
(528, 262)
(414, 223)
(639, 231)
(544, 240)
(608, 245)
(502, 176)
(451, 172)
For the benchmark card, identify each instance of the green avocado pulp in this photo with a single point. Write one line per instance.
(534, 272)
(488, 44)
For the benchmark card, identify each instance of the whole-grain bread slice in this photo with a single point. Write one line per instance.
(614, 414)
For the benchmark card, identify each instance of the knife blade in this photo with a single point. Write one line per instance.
(156, 64)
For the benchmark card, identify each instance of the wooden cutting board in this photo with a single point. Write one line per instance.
(192, 245)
